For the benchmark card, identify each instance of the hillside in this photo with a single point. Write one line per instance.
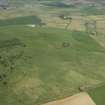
(38, 64)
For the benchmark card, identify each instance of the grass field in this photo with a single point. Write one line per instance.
(98, 95)
(38, 64)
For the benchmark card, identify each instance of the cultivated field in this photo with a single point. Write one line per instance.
(79, 99)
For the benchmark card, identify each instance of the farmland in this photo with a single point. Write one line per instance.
(50, 50)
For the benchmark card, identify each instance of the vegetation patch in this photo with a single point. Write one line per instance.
(98, 95)
(11, 43)
(26, 20)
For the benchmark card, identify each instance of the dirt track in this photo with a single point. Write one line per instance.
(79, 99)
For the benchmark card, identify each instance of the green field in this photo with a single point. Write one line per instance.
(38, 65)
(98, 95)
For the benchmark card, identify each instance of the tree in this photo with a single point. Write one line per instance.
(95, 26)
(86, 26)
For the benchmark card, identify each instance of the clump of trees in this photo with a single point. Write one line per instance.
(42, 24)
(7, 58)
(3, 77)
(68, 18)
(65, 44)
(10, 52)
(91, 27)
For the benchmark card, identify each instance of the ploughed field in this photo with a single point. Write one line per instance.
(38, 65)
(78, 99)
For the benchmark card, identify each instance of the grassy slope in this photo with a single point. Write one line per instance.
(98, 95)
(40, 69)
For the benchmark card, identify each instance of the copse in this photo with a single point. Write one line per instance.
(69, 18)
